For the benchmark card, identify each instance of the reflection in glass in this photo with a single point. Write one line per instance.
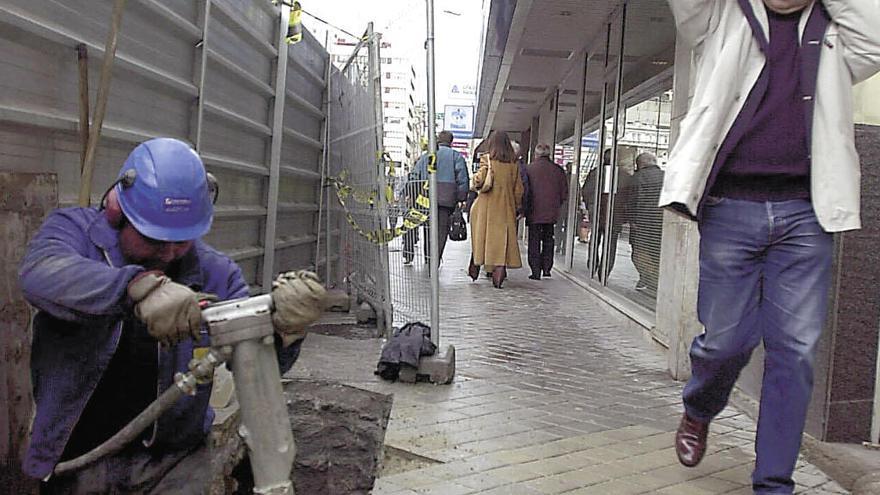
(563, 158)
(641, 144)
(605, 233)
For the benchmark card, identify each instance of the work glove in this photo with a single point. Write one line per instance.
(170, 310)
(298, 298)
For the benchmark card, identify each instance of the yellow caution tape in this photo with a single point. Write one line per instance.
(294, 26)
(417, 215)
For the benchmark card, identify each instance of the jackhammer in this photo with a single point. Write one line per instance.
(240, 330)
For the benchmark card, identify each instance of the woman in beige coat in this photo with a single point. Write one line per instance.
(493, 214)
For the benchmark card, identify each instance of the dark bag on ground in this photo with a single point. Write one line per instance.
(457, 226)
(406, 345)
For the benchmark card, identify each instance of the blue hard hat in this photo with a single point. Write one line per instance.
(163, 191)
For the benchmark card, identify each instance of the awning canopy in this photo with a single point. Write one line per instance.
(534, 47)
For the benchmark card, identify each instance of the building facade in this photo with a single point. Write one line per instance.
(613, 77)
(401, 134)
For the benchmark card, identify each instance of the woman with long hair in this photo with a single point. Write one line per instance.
(493, 214)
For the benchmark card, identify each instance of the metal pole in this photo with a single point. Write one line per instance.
(612, 194)
(875, 423)
(659, 115)
(574, 180)
(85, 186)
(203, 65)
(432, 183)
(592, 259)
(386, 318)
(82, 58)
(322, 210)
(275, 151)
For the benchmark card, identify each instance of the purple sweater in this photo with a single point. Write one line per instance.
(771, 162)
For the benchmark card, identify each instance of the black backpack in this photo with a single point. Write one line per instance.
(457, 226)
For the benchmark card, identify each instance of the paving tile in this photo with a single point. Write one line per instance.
(517, 489)
(554, 394)
(615, 487)
(447, 488)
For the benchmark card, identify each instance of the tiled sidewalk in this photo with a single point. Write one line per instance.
(553, 394)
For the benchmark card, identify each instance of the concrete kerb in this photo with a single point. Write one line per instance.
(853, 466)
(867, 485)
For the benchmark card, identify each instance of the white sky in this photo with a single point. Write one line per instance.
(402, 22)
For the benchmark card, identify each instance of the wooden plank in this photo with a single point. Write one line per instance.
(25, 200)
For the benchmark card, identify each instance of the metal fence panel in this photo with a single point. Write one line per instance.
(227, 106)
(408, 265)
(354, 159)
(155, 91)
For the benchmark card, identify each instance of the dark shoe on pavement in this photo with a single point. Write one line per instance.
(546, 273)
(473, 271)
(534, 277)
(498, 276)
(690, 441)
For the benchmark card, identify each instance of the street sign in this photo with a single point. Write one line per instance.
(459, 119)
(590, 140)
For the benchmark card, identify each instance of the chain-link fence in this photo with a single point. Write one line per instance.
(372, 202)
(357, 192)
(408, 257)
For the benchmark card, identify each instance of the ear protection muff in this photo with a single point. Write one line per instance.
(112, 210)
(213, 187)
(110, 199)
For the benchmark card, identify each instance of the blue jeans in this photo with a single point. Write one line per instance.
(765, 270)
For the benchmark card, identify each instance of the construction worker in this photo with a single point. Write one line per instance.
(117, 290)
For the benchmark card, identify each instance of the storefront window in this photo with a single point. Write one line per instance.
(640, 137)
(601, 180)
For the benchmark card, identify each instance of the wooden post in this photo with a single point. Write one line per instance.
(82, 58)
(85, 189)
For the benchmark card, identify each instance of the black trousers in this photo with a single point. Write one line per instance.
(541, 244)
(444, 216)
(410, 239)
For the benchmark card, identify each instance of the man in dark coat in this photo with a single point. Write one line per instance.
(549, 191)
(646, 221)
(621, 214)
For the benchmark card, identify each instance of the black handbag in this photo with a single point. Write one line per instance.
(457, 226)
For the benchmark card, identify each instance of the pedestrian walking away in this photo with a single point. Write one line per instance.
(771, 127)
(646, 221)
(549, 191)
(620, 214)
(493, 214)
(117, 291)
(452, 190)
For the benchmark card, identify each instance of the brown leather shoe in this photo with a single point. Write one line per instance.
(690, 441)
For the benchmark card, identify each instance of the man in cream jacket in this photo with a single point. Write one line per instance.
(766, 164)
